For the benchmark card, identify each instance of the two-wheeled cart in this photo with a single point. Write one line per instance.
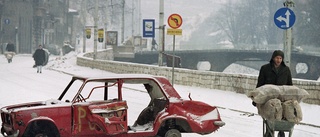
(269, 127)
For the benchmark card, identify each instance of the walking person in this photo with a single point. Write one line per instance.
(154, 43)
(10, 47)
(276, 73)
(10, 51)
(39, 58)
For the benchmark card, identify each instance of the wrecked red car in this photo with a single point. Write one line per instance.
(96, 106)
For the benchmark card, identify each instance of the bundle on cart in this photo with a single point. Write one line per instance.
(275, 103)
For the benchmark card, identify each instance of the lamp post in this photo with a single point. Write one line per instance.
(17, 40)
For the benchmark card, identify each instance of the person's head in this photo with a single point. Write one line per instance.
(277, 58)
(40, 47)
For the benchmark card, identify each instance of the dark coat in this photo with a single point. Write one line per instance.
(39, 57)
(268, 75)
(10, 47)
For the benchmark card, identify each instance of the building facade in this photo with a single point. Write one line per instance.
(29, 23)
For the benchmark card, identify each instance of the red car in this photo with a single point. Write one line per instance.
(98, 109)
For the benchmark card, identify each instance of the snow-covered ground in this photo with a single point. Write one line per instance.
(20, 83)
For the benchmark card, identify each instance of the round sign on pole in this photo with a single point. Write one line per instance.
(6, 21)
(174, 21)
(284, 18)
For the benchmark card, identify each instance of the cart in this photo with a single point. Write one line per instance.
(272, 126)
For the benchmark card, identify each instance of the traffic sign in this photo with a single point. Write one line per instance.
(175, 21)
(6, 21)
(148, 28)
(174, 31)
(88, 33)
(100, 35)
(284, 18)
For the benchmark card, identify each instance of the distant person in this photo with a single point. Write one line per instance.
(154, 43)
(10, 47)
(276, 73)
(10, 51)
(39, 58)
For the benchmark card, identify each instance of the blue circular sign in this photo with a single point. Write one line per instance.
(284, 18)
(6, 21)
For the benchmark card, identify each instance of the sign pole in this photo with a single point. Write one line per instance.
(173, 58)
(174, 21)
(84, 40)
(288, 38)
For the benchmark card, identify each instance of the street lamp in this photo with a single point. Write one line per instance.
(17, 40)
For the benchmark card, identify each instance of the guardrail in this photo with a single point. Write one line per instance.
(240, 83)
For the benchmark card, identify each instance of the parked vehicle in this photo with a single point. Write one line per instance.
(97, 108)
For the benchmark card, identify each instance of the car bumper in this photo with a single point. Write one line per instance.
(219, 123)
(12, 134)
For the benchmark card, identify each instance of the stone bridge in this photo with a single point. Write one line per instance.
(220, 59)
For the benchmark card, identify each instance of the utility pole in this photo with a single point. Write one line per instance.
(161, 32)
(106, 24)
(132, 19)
(122, 21)
(95, 29)
(84, 14)
(139, 26)
(288, 37)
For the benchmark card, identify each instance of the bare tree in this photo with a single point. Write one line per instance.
(308, 18)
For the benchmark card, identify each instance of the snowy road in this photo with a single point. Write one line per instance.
(20, 83)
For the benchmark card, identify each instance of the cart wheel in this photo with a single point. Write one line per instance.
(173, 133)
(281, 134)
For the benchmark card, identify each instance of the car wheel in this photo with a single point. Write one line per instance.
(173, 133)
(41, 135)
(45, 133)
(42, 129)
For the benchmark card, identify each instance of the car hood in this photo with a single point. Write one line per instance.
(32, 105)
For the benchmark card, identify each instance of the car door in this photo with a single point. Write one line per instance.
(100, 118)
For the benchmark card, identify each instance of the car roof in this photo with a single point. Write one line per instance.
(114, 76)
(161, 80)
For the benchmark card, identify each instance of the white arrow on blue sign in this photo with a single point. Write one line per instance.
(6, 21)
(284, 18)
(148, 28)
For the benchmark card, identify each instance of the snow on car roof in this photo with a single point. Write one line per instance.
(115, 76)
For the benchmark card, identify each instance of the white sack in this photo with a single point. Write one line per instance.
(264, 93)
(292, 111)
(271, 110)
(292, 93)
